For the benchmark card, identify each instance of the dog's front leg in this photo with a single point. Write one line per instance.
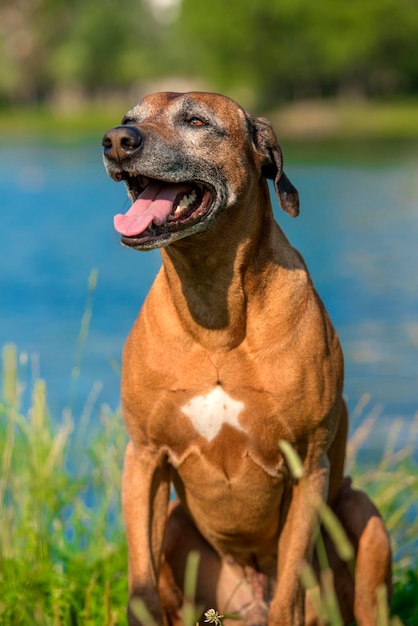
(145, 495)
(296, 546)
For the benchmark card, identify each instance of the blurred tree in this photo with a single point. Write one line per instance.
(297, 48)
(48, 44)
(106, 45)
(279, 49)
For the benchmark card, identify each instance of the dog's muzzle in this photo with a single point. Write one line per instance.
(162, 210)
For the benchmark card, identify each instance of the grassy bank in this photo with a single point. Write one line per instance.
(47, 125)
(62, 544)
(348, 120)
(315, 121)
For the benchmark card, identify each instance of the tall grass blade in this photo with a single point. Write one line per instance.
(311, 585)
(292, 459)
(83, 333)
(9, 376)
(336, 532)
(190, 611)
(330, 598)
(139, 609)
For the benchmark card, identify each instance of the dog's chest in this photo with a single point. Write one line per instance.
(226, 447)
(220, 427)
(210, 411)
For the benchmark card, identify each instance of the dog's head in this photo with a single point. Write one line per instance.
(185, 158)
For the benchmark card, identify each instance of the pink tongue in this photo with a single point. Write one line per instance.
(153, 205)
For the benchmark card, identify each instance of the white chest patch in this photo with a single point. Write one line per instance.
(208, 413)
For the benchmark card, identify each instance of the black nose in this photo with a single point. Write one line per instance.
(121, 142)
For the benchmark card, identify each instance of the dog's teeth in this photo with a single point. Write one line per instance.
(186, 201)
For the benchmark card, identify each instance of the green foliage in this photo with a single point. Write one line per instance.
(62, 543)
(277, 50)
(392, 483)
(102, 44)
(50, 44)
(297, 48)
(62, 548)
(405, 598)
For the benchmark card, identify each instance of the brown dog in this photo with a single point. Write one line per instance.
(232, 352)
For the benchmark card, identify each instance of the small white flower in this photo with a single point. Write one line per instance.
(213, 617)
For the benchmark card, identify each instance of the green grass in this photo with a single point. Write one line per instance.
(348, 119)
(320, 123)
(48, 125)
(62, 544)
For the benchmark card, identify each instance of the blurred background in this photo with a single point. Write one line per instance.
(65, 53)
(339, 80)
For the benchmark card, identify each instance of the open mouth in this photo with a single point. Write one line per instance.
(161, 211)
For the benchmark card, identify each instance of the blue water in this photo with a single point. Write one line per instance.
(358, 231)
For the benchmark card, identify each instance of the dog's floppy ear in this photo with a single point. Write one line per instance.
(266, 144)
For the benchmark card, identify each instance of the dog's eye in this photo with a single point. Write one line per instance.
(196, 121)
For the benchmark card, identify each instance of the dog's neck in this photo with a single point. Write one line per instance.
(212, 276)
